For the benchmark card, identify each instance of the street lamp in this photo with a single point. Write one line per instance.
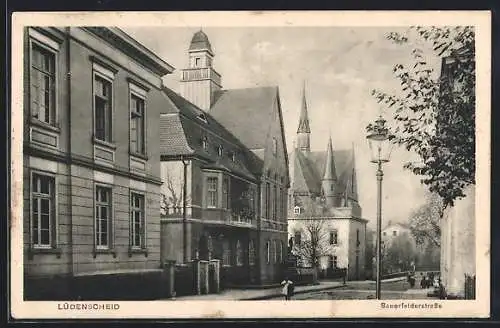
(380, 149)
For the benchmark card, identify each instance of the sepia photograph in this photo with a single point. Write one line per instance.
(305, 158)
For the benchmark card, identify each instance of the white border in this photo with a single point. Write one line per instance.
(261, 309)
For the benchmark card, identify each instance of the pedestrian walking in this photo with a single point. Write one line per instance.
(287, 290)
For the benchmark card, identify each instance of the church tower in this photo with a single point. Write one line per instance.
(200, 81)
(303, 131)
(329, 181)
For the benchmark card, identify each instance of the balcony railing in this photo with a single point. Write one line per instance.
(190, 74)
(240, 219)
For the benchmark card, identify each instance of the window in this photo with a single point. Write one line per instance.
(335, 264)
(296, 210)
(209, 62)
(232, 156)
(43, 86)
(197, 61)
(268, 252)
(275, 146)
(394, 233)
(226, 253)
(280, 253)
(268, 200)
(275, 203)
(225, 192)
(137, 127)
(333, 237)
(275, 253)
(384, 233)
(102, 108)
(137, 224)
(357, 237)
(239, 254)
(251, 252)
(212, 191)
(43, 211)
(220, 151)
(297, 238)
(102, 217)
(204, 143)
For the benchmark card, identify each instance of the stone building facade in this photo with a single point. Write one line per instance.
(231, 144)
(91, 163)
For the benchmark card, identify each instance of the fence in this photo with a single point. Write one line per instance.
(470, 287)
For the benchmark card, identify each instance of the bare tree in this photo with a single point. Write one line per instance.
(314, 243)
(173, 199)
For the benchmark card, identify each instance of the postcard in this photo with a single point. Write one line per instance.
(305, 164)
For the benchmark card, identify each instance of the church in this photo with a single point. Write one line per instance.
(324, 216)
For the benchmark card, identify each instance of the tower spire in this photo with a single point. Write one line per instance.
(329, 173)
(303, 131)
(329, 181)
(304, 118)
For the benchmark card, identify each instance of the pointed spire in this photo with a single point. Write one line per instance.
(329, 173)
(304, 118)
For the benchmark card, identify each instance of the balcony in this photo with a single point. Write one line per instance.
(193, 74)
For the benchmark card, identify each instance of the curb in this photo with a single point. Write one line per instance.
(266, 297)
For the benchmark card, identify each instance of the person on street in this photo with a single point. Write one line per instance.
(287, 290)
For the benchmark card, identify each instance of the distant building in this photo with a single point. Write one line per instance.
(394, 230)
(91, 164)
(328, 176)
(232, 143)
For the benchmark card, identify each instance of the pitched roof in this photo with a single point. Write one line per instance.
(183, 126)
(309, 166)
(246, 113)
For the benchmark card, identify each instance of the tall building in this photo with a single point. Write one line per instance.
(91, 163)
(458, 224)
(329, 178)
(231, 144)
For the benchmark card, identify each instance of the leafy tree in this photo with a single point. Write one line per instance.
(434, 114)
(398, 254)
(425, 222)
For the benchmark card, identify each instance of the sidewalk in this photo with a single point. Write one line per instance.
(258, 294)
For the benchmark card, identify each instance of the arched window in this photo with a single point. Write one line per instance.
(268, 252)
(239, 254)
(280, 258)
(251, 252)
(226, 253)
(275, 251)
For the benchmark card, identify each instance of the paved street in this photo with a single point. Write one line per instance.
(358, 290)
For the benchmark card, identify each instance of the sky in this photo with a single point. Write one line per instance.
(339, 66)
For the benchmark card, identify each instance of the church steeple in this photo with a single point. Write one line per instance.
(200, 81)
(303, 131)
(329, 181)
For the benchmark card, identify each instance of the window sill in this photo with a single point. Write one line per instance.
(104, 143)
(132, 251)
(39, 250)
(104, 251)
(138, 155)
(44, 125)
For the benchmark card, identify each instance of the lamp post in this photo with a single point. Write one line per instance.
(184, 218)
(380, 148)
